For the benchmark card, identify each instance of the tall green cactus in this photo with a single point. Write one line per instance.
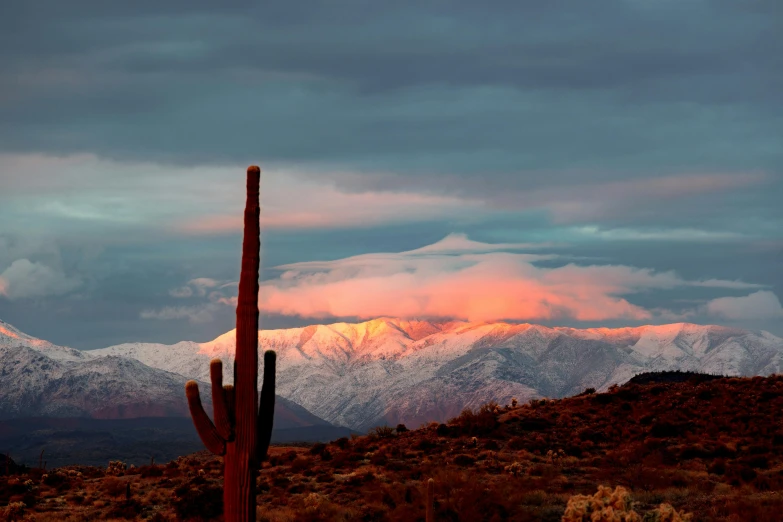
(242, 428)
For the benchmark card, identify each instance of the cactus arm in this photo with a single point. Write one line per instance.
(266, 408)
(220, 408)
(228, 390)
(206, 430)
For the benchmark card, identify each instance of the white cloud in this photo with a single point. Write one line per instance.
(194, 314)
(196, 287)
(24, 279)
(207, 287)
(674, 234)
(181, 292)
(759, 305)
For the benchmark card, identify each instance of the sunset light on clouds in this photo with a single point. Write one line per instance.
(560, 164)
(457, 278)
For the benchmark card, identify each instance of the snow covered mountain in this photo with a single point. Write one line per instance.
(391, 370)
(40, 379)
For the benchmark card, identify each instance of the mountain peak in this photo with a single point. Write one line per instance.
(9, 332)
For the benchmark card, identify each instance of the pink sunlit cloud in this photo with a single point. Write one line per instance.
(457, 278)
(478, 285)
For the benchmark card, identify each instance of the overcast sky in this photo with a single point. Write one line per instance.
(567, 163)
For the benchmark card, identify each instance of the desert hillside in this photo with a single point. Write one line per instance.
(706, 446)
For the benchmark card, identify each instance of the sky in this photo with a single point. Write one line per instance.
(603, 163)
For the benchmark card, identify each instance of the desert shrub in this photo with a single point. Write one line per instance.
(281, 482)
(464, 460)
(341, 443)
(196, 501)
(515, 468)
(127, 509)
(116, 468)
(516, 443)
(317, 449)
(340, 460)
(299, 465)
(491, 445)
(604, 506)
(534, 424)
(14, 511)
(379, 459)
(718, 467)
(55, 478)
(75, 498)
(605, 398)
(382, 432)
(588, 391)
(401, 428)
(666, 513)
(113, 486)
(668, 429)
(425, 445)
(460, 497)
(172, 472)
(479, 422)
(755, 461)
(737, 474)
(151, 471)
(324, 478)
(591, 435)
(295, 489)
(442, 430)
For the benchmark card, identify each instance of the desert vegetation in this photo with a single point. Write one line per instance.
(698, 449)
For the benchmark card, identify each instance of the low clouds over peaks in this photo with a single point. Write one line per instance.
(458, 278)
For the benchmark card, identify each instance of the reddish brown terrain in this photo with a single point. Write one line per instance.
(709, 447)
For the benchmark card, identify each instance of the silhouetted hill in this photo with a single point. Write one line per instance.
(671, 377)
(85, 441)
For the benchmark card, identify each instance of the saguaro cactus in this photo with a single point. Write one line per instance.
(430, 508)
(242, 429)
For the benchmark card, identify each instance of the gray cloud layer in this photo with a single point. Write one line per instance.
(388, 85)
(609, 124)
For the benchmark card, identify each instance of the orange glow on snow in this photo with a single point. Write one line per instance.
(8, 333)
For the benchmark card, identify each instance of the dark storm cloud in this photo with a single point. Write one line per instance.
(398, 86)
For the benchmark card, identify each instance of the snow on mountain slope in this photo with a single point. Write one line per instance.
(11, 337)
(389, 370)
(34, 384)
(38, 378)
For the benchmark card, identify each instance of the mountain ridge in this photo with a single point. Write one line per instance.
(389, 370)
(38, 378)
